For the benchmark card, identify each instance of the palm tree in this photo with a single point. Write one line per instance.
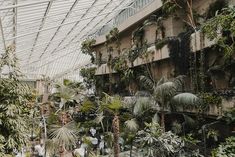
(64, 133)
(137, 107)
(164, 91)
(61, 137)
(112, 105)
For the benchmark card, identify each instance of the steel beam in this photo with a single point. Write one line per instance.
(74, 26)
(49, 28)
(14, 22)
(2, 33)
(83, 28)
(24, 5)
(67, 15)
(40, 27)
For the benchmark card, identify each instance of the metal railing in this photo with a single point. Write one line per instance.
(133, 8)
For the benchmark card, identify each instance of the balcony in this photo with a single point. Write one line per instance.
(153, 55)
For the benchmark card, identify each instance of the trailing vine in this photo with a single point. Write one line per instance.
(179, 48)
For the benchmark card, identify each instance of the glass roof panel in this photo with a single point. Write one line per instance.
(47, 33)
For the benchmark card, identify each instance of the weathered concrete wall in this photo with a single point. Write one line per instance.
(150, 33)
(126, 41)
(162, 69)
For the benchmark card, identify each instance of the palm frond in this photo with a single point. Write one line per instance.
(110, 104)
(142, 104)
(132, 125)
(129, 102)
(66, 134)
(179, 81)
(185, 100)
(165, 90)
(142, 94)
(146, 81)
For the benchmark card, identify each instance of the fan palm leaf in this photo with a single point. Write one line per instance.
(132, 125)
(66, 134)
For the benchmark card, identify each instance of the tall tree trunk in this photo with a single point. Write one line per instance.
(163, 120)
(116, 135)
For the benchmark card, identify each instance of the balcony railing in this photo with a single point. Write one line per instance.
(134, 8)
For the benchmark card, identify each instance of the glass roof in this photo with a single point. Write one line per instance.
(47, 33)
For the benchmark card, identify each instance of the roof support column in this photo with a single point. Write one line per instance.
(2, 33)
(14, 23)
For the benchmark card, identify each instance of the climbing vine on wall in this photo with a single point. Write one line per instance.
(179, 48)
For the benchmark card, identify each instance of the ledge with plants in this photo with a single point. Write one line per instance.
(152, 55)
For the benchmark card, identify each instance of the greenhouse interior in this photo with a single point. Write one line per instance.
(117, 78)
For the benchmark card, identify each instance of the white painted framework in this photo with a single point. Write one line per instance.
(47, 33)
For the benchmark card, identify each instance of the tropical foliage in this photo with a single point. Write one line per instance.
(14, 109)
(226, 149)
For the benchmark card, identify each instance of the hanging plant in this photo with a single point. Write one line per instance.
(160, 43)
(137, 36)
(179, 48)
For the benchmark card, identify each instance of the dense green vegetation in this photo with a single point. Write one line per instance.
(160, 117)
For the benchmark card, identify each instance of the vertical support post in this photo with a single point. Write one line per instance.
(14, 23)
(3, 38)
